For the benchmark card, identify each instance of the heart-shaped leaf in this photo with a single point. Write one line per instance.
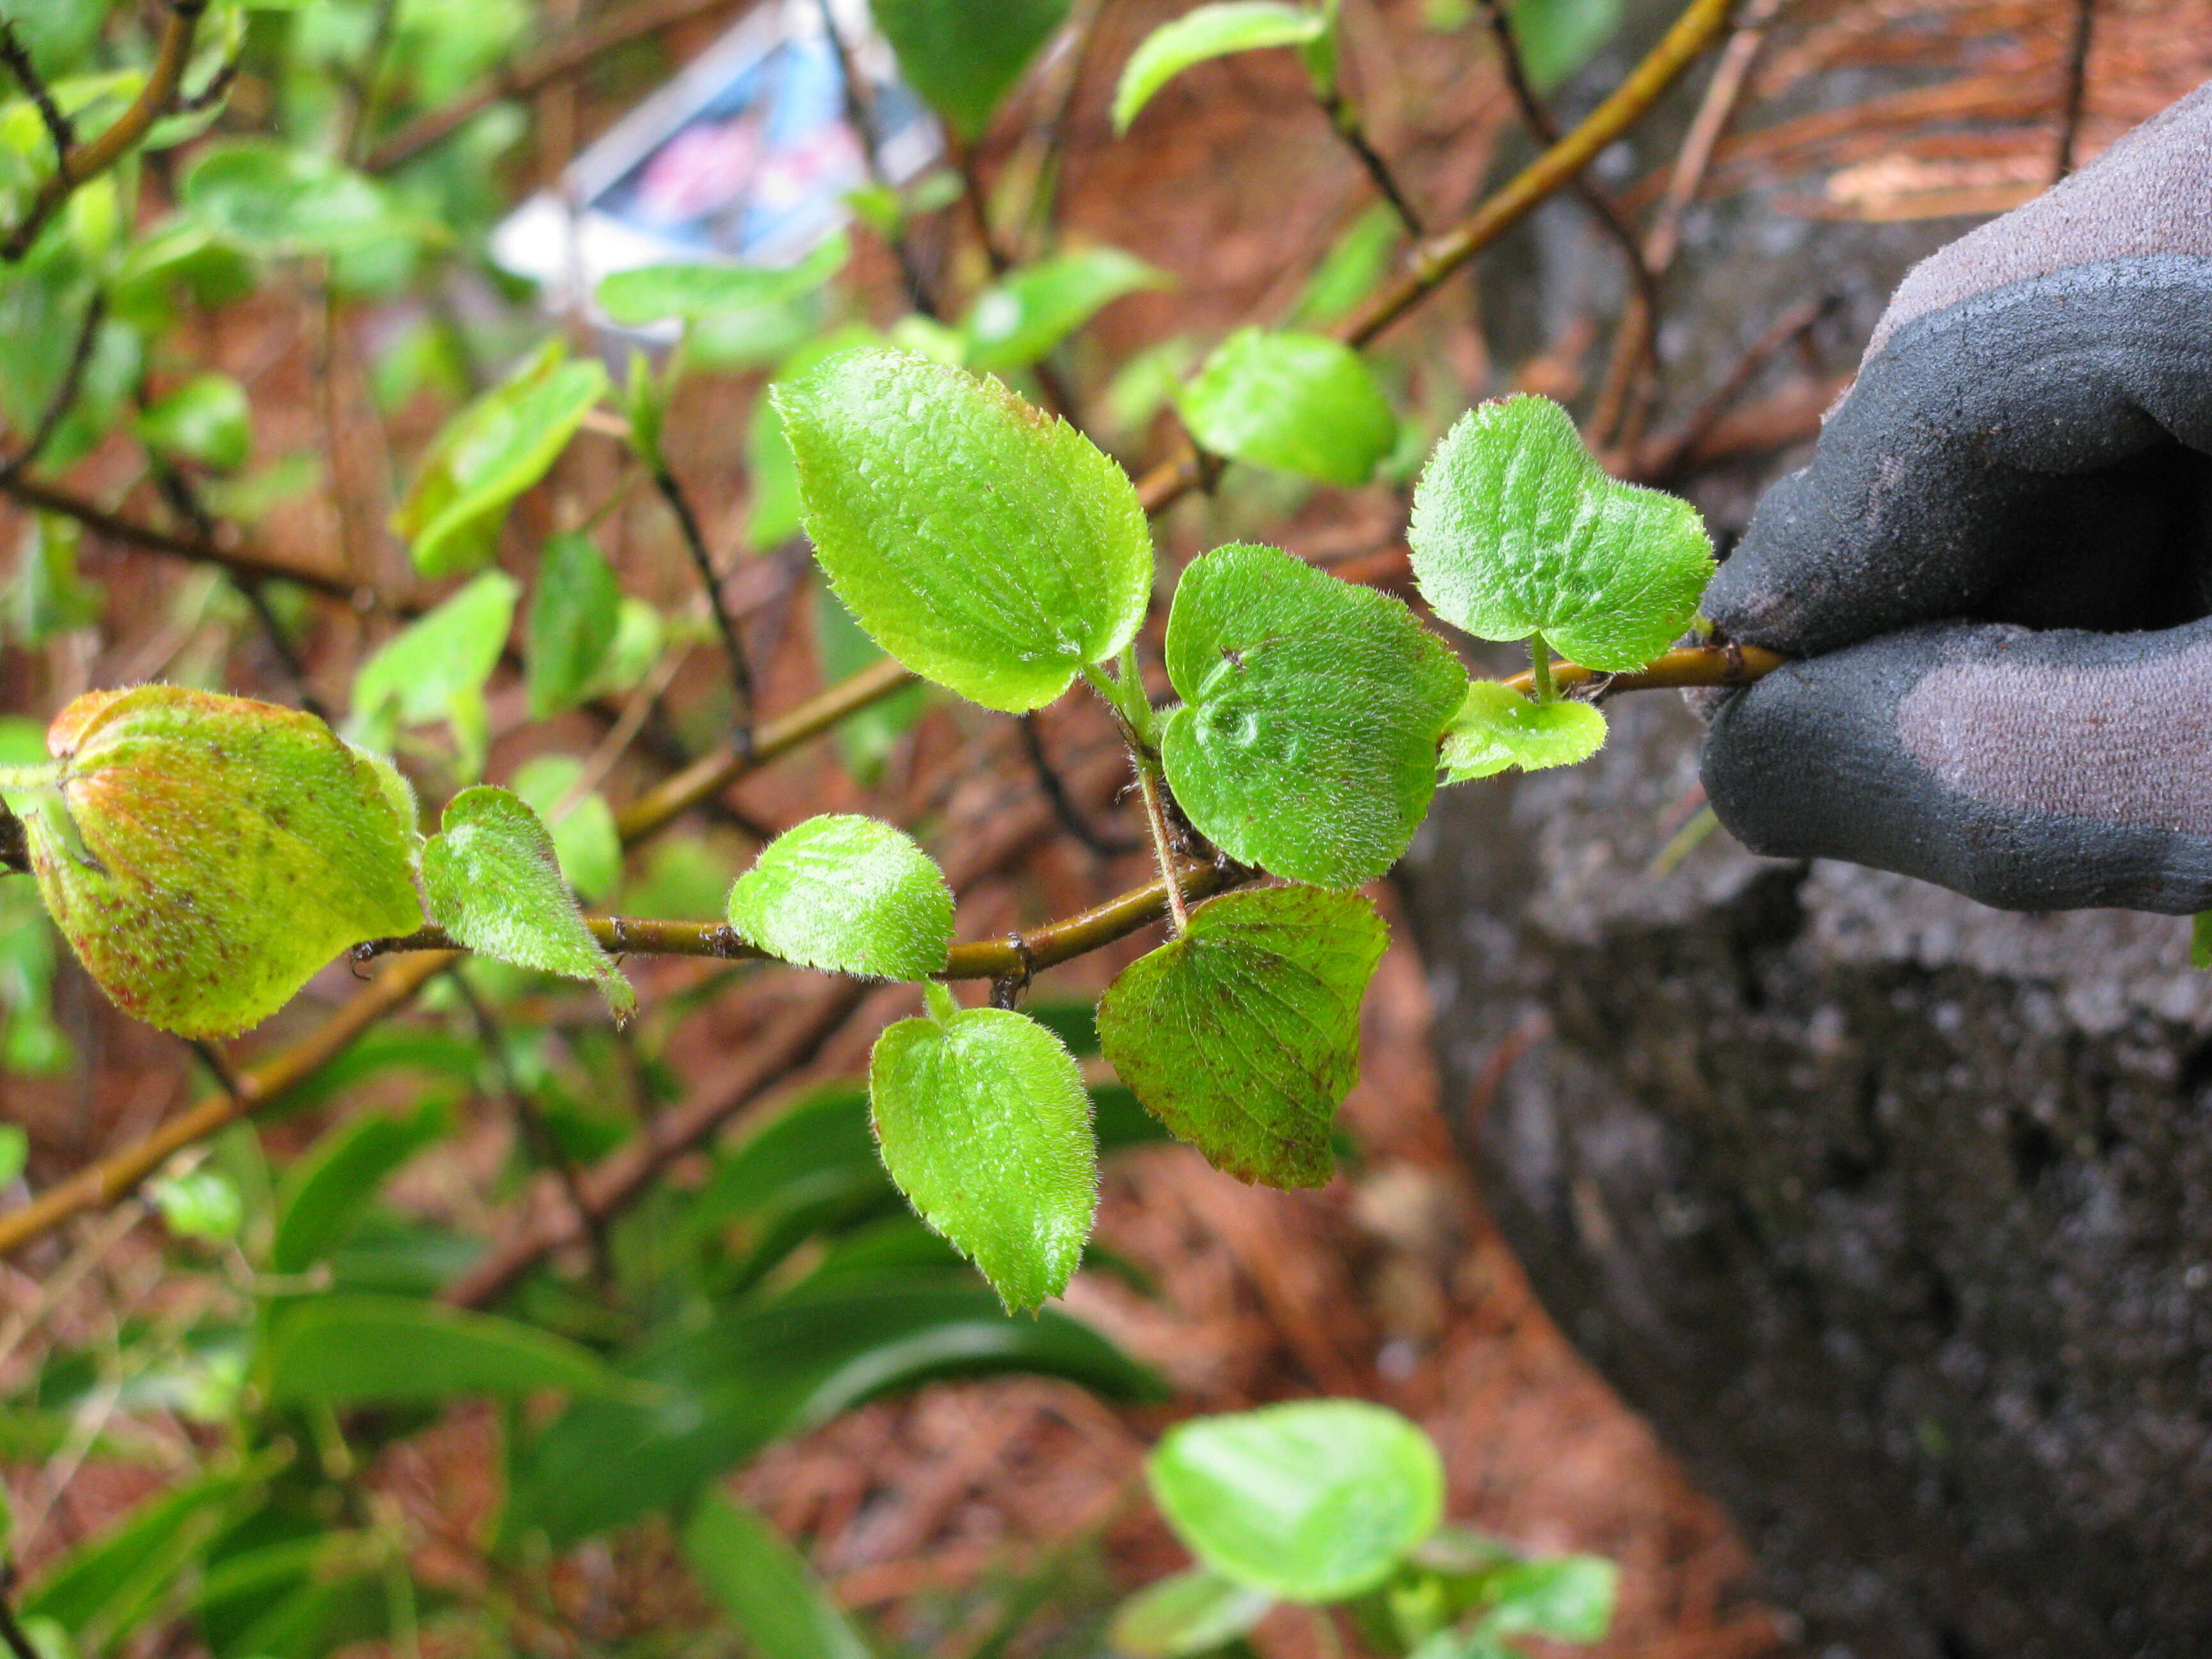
(1244, 1035)
(1497, 727)
(1303, 403)
(849, 896)
(493, 881)
(1517, 531)
(205, 855)
(984, 1123)
(1314, 1501)
(1308, 741)
(985, 545)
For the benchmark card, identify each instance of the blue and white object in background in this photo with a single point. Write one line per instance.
(747, 157)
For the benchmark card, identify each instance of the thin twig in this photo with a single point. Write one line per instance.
(17, 58)
(1054, 787)
(1344, 120)
(861, 113)
(11, 1629)
(530, 1124)
(82, 162)
(1661, 463)
(64, 394)
(2077, 88)
(733, 644)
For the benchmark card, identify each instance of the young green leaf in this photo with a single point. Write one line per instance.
(1555, 38)
(285, 199)
(14, 1152)
(750, 1571)
(2200, 939)
(1307, 743)
(1303, 403)
(1212, 31)
(198, 1204)
(964, 56)
(1497, 727)
(390, 1350)
(1568, 1598)
(1314, 1501)
(849, 896)
(984, 1124)
(493, 882)
(987, 546)
(1516, 530)
(489, 453)
(1184, 1615)
(584, 834)
(1026, 314)
(436, 666)
(650, 293)
(1244, 1035)
(206, 855)
(204, 420)
(572, 617)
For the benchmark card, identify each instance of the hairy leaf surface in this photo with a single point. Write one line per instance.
(985, 545)
(1307, 743)
(1244, 1035)
(984, 1125)
(206, 855)
(494, 880)
(1314, 1501)
(1517, 531)
(848, 894)
(1497, 727)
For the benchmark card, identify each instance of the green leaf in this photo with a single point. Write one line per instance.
(585, 836)
(436, 668)
(984, 1125)
(330, 1189)
(489, 453)
(493, 882)
(1313, 1502)
(198, 1204)
(1023, 317)
(206, 855)
(1301, 403)
(113, 1575)
(1568, 1599)
(752, 1573)
(572, 617)
(1555, 38)
(1307, 740)
(1497, 727)
(691, 292)
(1208, 31)
(390, 1350)
(1186, 1614)
(987, 546)
(849, 896)
(964, 56)
(1353, 267)
(1517, 531)
(843, 649)
(14, 1152)
(1244, 1035)
(285, 199)
(2200, 940)
(204, 420)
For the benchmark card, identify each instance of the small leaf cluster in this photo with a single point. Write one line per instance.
(1340, 1503)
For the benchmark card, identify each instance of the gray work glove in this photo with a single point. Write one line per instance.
(1998, 566)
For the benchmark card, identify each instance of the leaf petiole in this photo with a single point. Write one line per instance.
(1540, 670)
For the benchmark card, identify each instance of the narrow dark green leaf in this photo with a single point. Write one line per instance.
(112, 1574)
(389, 1350)
(1315, 1502)
(984, 1125)
(1213, 31)
(1303, 403)
(327, 1192)
(964, 56)
(1517, 530)
(987, 546)
(752, 1573)
(1307, 740)
(492, 877)
(572, 617)
(847, 895)
(1244, 1035)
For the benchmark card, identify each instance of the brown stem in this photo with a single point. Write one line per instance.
(88, 161)
(2077, 88)
(1071, 817)
(1346, 122)
(1152, 787)
(733, 644)
(11, 1629)
(861, 113)
(64, 394)
(17, 58)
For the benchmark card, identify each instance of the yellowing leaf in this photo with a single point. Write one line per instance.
(205, 855)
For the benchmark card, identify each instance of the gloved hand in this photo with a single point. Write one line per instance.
(1997, 568)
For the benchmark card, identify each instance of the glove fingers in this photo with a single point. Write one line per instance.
(1967, 446)
(2030, 771)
